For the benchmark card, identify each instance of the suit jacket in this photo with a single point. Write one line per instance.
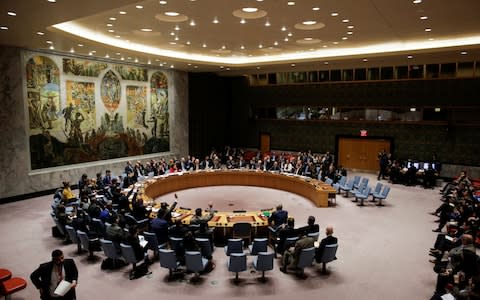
(329, 240)
(42, 276)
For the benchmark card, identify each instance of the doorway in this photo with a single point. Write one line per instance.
(264, 142)
(360, 153)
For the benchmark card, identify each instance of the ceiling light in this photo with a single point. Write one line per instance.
(111, 30)
(345, 20)
(11, 13)
(325, 63)
(290, 3)
(350, 32)
(316, 8)
(334, 14)
(109, 25)
(136, 60)
(195, 67)
(94, 51)
(258, 68)
(107, 56)
(122, 58)
(275, 43)
(428, 29)
(49, 42)
(172, 66)
(177, 38)
(112, 19)
(204, 45)
(463, 53)
(250, 9)
(188, 42)
(162, 2)
(260, 46)
(242, 21)
(3, 27)
(335, 43)
(228, 69)
(293, 65)
(172, 33)
(122, 12)
(324, 46)
(90, 53)
(242, 47)
(221, 67)
(223, 47)
(413, 109)
(80, 45)
(267, 23)
(423, 18)
(409, 56)
(72, 50)
(290, 34)
(51, 47)
(192, 23)
(308, 38)
(171, 13)
(309, 22)
(149, 62)
(177, 27)
(146, 29)
(437, 109)
(431, 39)
(365, 60)
(52, 1)
(118, 53)
(344, 38)
(286, 39)
(172, 43)
(117, 36)
(215, 20)
(139, 7)
(40, 33)
(284, 28)
(350, 26)
(417, 1)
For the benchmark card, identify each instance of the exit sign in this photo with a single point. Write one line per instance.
(363, 132)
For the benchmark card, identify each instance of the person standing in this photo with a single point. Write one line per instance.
(48, 276)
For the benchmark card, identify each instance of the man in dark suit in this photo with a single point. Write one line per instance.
(329, 240)
(278, 217)
(48, 275)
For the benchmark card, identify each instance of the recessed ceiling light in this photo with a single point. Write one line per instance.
(146, 29)
(177, 38)
(334, 14)
(350, 26)
(72, 50)
(344, 38)
(286, 39)
(112, 18)
(94, 51)
(293, 65)
(12, 13)
(290, 34)
(350, 32)
(308, 38)
(107, 56)
(260, 46)
(195, 67)
(80, 45)
(463, 53)
(365, 60)
(188, 42)
(413, 109)
(223, 47)
(90, 53)
(52, 1)
(409, 56)
(111, 30)
(428, 29)
(172, 43)
(423, 18)
(242, 47)
(316, 8)
(162, 2)
(3, 27)
(40, 33)
(275, 43)
(149, 62)
(258, 68)
(51, 47)
(250, 9)
(345, 20)
(171, 13)
(215, 20)
(267, 23)
(192, 23)
(139, 6)
(242, 21)
(284, 28)
(204, 45)
(309, 22)
(417, 1)
(431, 39)
(221, 67)
(122, 12)
(117, 36)
(177, 27)
(49, 42)
(172, 66)
(172, 33)
(109, 25)
(290, 3)
(118, 53)
(325, 63)
(335, 43)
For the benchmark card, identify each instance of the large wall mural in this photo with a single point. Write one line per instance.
(88, 110)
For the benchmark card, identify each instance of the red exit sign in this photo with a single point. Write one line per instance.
(363, 132)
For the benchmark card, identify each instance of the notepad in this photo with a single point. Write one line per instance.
(63, 288)
(142, 241)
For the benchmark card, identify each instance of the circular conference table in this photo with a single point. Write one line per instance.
(315, 190)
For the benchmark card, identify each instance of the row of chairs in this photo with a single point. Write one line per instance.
(360, 189)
